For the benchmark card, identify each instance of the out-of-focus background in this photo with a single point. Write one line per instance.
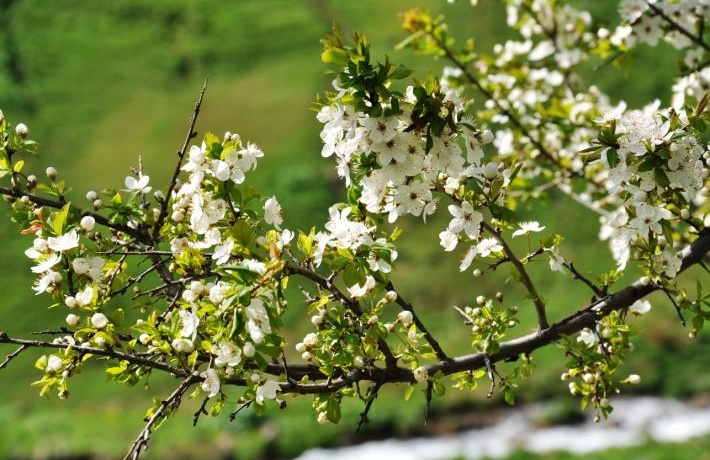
(102, 83)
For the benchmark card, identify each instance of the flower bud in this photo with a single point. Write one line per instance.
(358, 362)
(249, 350)
(87, 223)
(98, 204)
(633, 379)
(477, 272)
(183, 345)
(310, 340)
(92, 195)
(31, 181)
(322, 418)
(99, 320)
(405, 317)
(22, 130)
(51, 173)
(490, 171)
(177, 216)
(300, 347)
(2, 117)
(480, 300)
(70, 301)
(144, 339)
(72, 319)
(316, 320)
(391, 296)
(54, 364)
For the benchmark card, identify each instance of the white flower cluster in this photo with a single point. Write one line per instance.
(386, 158)
(198, 206)
(651, 161)
(673, 21)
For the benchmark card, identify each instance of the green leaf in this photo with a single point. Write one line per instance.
(409, 392)
(335, 56)
(59, 220)
(661, 178)
(399, 73)
(333, 409)
(612, 157)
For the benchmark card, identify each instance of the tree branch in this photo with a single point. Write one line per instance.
(420, 325)
(58, 204)
(586, 317)
(524, 277)
(167, 405)
(181, 155)
(674, 25)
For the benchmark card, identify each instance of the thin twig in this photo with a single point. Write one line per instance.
(697, 40)
(200, 411)
(371, 396)
(181, 155)
(577, 275)
(132, 358)
(167, 405)
(351, 304)
(58, 204)
(676, 306)
(524, 277)
(433, 343)
(13, 355)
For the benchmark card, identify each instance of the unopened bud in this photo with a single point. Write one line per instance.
(51, 173)
(31, 181)
(405, 317)
(92, 195)
(490, 171)
(391, 296)
(22, 130)
(87, 223)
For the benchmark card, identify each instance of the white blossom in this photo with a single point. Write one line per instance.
(267, 390)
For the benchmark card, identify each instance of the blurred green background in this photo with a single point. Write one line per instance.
(102, 83)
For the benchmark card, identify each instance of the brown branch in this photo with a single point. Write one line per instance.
(13, 355)
(524, 277)
(106, 352)
(167, 405)
(674, 25)
(510, 350)
(577, 275)
(433, 343)
(505, 111)
(181, 155)
(58, 204)
(353, 305)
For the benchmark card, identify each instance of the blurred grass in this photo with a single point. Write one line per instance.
(101, 84)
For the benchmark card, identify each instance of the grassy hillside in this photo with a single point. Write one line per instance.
(102, 83)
